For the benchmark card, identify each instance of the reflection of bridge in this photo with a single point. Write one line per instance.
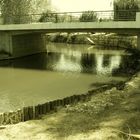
(24, 39)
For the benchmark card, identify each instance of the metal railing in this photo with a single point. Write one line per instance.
(83, 16)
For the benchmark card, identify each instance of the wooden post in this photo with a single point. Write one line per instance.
(11, 118)
(66, 101)
(36, 112)
(55, 104)
(40, 109)
(6, 118)
(73, 99)
(52, 105)
(44, 109)
(62, 102)
(25, 113)
(31, 113)
(78, 97)
(1, 119)
(47, 107)
(58, 102)
(20, 115)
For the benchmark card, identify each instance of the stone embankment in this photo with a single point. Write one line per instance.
(34, 112)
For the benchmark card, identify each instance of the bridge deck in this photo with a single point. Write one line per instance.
(77, 26)
(110, 26)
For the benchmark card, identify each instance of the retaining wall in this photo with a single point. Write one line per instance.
(35, 112)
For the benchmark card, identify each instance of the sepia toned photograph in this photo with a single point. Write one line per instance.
(69, 69)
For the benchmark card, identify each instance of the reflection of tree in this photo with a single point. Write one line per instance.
(66, 63)
(37, 61)
(52, 58)
(88, 63)
(112, 63)
(106, 60)
(129, 65)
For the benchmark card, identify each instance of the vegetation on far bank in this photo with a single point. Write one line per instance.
(110, 40)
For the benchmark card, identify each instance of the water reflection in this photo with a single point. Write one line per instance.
(67, 64)
(105, 64)
(69, 59)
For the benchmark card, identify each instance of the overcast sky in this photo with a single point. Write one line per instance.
(82, 5)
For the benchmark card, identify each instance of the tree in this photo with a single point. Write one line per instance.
(20, 11)
(15, 11)
(88, 16)
(40, 6)
(125, 9)
(39, 9)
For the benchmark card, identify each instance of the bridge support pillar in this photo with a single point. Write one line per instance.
(18, 45)
(5, 44)
(138, 41)
(28, 44)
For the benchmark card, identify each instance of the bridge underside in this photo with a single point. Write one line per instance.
(18, 45)
(138, 41)
(26, 43)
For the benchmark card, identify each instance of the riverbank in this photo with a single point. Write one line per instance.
(103, 40)
(109, 115)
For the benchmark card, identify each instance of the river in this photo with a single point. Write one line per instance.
(63, 71)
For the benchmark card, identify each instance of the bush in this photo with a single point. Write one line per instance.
(88, 16)
(48, 17)
(125, 9)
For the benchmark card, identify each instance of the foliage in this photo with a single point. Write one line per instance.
(20, 11)
(40, 6)
(125, 9)
(48, 17)
(88, 16)
(64, 17)
(14, 11)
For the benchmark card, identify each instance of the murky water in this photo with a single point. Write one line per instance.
(63, 71)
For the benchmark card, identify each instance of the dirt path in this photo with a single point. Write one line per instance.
(106, 116)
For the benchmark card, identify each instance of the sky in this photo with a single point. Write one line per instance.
(82, 5)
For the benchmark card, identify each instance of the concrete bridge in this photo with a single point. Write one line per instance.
(26, 39)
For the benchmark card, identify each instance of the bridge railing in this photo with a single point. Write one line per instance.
(83, 16)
